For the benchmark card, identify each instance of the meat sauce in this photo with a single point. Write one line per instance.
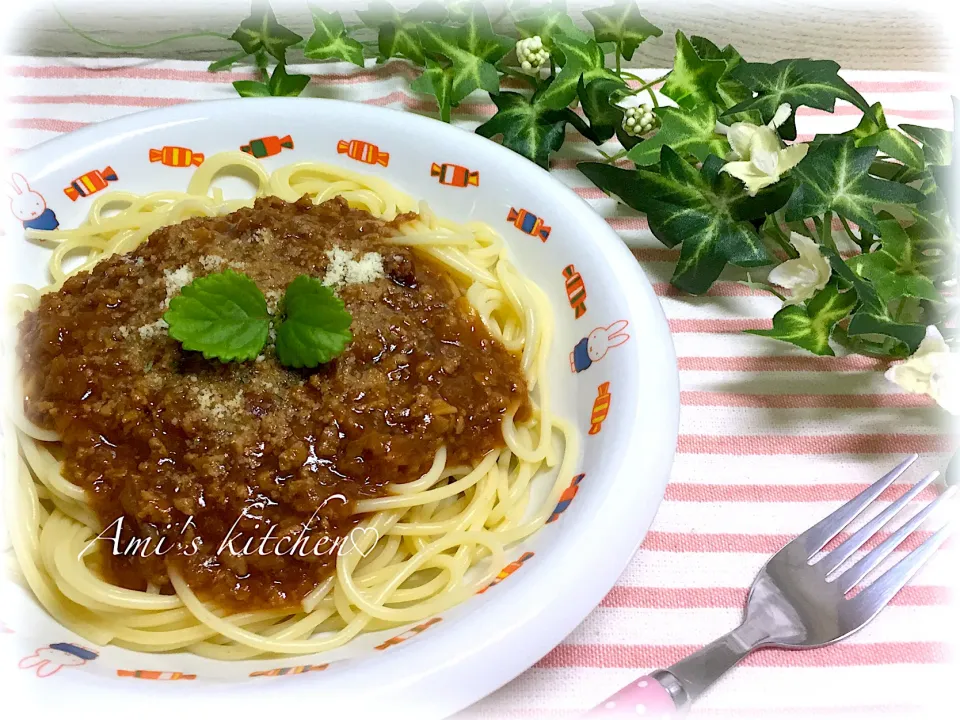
(191, 463)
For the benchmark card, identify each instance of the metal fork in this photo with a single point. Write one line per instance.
(797, 603)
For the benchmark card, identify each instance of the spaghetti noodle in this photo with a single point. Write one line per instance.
(424, 546)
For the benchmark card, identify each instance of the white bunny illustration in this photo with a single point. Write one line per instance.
(593, 347)
(29, 207)
(48, 660)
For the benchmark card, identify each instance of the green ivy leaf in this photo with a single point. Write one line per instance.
(690, 132)
(251, 88)
(730, 91)
(688, 208)
(814, 83)
(834, 176)
(261, 31)
(936, 143)
(872, 317)
(281, 84)
(222, 315)
(622, 24)
(471, 49)
(604, 116)
(550, 24)
(873, 130)
(528, 127)
(810, 327)
(894, 268)
(437, 80)
(694, 79)
(583, 61)
(314, 326)
(330, 39)
(398, 33)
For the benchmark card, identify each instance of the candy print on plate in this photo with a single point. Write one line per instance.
(267, 146)
(601, 407)
(576, 292)
(178, 157)
(525, 221)
(407, 634)
(29, 207)
(595, 346)
(295, 670)
(155, 675)
(566, 498)
(89, 183)
(507, 571)
(49, 660)
(363, 152)
(455, 175)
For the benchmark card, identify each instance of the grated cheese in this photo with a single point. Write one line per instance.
(273, 299)
(212, 262)
(174, 280)
(153, 329)
(342, 269)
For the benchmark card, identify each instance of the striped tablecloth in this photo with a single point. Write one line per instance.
(771, 439)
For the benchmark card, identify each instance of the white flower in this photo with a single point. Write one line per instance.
(758, 158)
(638, 118)
(531, 53)
(932, 370)
(804, 276)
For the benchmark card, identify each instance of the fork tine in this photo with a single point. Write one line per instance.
(824, 531)
(876, 596)
(835, 558)
(849, 579)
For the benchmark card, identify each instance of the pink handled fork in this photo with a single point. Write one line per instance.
(796, 604)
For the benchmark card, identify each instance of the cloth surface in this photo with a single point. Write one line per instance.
(771, 438)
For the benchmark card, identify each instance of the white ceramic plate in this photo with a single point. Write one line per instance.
(492, 638)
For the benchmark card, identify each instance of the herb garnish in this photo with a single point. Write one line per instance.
(224, 316)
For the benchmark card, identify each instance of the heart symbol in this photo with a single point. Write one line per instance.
(358, 536)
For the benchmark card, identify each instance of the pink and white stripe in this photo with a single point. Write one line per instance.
(771, 438)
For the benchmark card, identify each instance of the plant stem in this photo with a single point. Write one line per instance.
(614, 157)
(826, 232)
(553, 67)
(618, 58)
(261, 60)
(846, 226)
(113, 46)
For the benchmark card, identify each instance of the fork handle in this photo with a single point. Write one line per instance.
(665, 691)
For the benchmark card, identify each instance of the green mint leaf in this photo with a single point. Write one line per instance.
(896, 267)
(398, 35)
(330, 39)
(222, 315)
(261, 31)
(810, 327)
(622, 24)
(251, 88)
(283, 84)
(834, 176)
(814, 83)
(583, 62)
(693, 80)
(936, 143)
(697, 210)
(689, 132)
(873, 317)
(437, 80)
(315, 326)
(528, 127)
(472, 50)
